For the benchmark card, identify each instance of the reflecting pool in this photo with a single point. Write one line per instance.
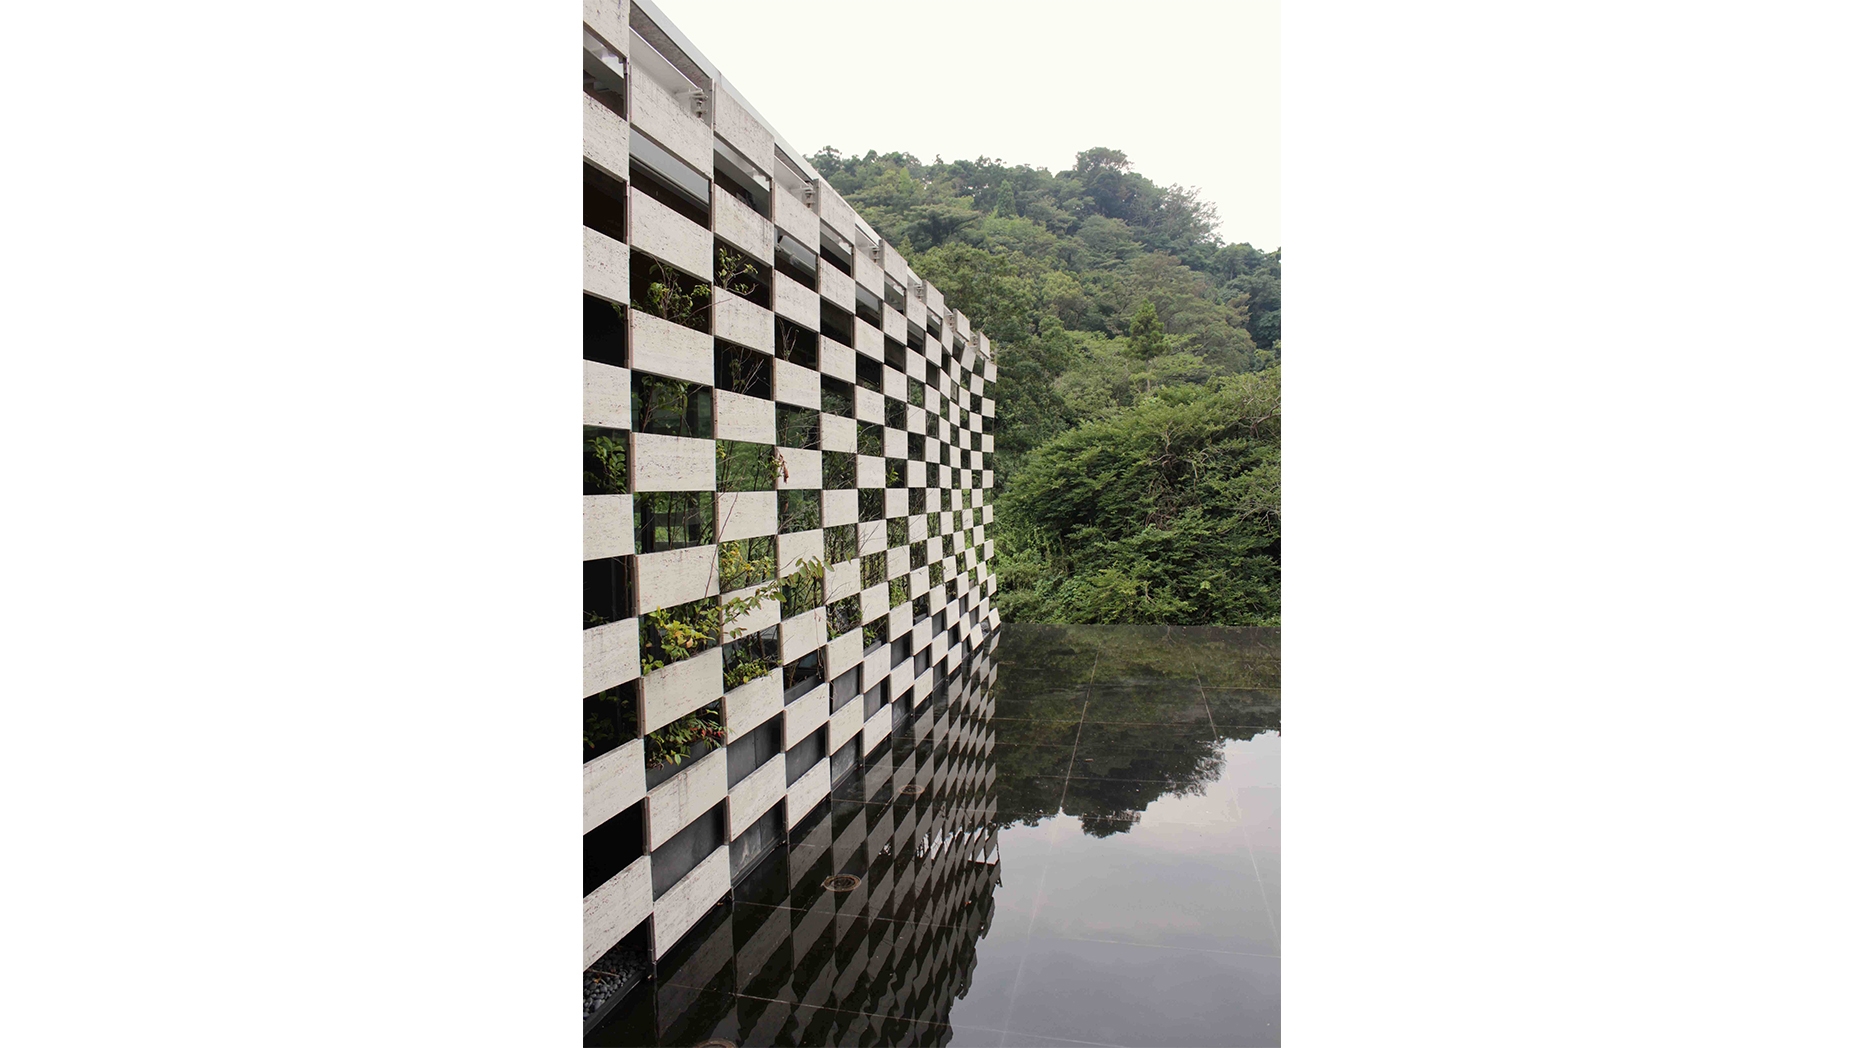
(1076, 841)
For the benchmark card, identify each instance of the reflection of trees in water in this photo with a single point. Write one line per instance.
(1154, 675)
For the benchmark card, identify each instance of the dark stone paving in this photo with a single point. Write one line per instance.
(1094, 858)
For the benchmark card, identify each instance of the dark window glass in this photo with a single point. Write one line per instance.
(869, 439)
(867, 373)
(837, 252)
(605, 203)
(671, 408)
(687, 849)
(753, 749)
(806, 754)
(798, 427)
(611, 847)
(745, 372)
(845, 760)
(660, 290)
(799, 511)
(796, 261)
(666, 520)
(608, 591)
(895, 294)
(757, 841)
(737, 176)
(743, 466)
(609, 719)
(801, 676)
(837, 397)
(837, 470)
(837, 324)
(876, 697)
(922, 608)
(604, 332)
(902, 649)
(669, 180)
(915, 338)
(751, 656)
(935, 328)
(796, 344)
(839, 542)
(605, 461)
(741, 275)
(867, 305)
(843, 688)
(844, 616)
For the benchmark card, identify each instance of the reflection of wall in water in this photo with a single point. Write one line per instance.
(928, 869)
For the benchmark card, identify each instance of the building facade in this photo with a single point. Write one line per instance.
(787, 442)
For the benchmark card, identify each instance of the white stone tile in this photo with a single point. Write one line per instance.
(797, 385)
(735, 223)
(611, 655)
(746, 514)
(616, 908)
(804, 715)
(740, 320)
(658, 230)
(807, 792)
(677, 577)
(605, 395)
(681, 907)
(604, 139)
(605, 266)
(835, 287)
(749, 706)
(661, 347)
(663, 463)
(755, 794)
(608, 526)
(844, 723)
(673, 691)
(668, 121)
(795, 302)
(612, 782)
(739, 417)
(692, 791)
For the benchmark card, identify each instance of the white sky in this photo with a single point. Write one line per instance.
(1191, 91)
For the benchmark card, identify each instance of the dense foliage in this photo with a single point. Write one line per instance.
(1138, 448)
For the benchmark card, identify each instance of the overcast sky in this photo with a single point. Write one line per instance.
(1189, 90)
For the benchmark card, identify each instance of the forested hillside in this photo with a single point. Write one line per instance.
(1138, 442)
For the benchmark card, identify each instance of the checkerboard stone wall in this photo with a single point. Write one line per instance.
(762, 375)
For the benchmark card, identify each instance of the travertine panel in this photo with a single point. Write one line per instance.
(837, 433)
(608, 526)
(746, 514)
(660, 231)
(841, 506)
(805, 470)
(874, 667)
(736, 224)
(892, 324)
(870, 471)
(876, 730)
(867, 340)
(835, 286)
(616, 908)
(843, 724)
(605, 395)
(605, 266)
(687, 795)
(796, 303)
(677, 576)
(672, 692)
(735, 124)
(841, 580)
(668, 121)
(750, 705)
(684, 903)
(843, 654)
(807, 792)
(608, 19)
(795, 218)
(836, 360)
(804, 716)
(662, 347)
(754, 795)
(740, 417)
(867, 272)
(873, 602)
(611, 655)
(870, 536)
(796, 547)
(739, 320)
(835, 212)
(797, 385)
(604, 139)
(869, 406)
(611, 782)
(664, 463)
(804, 633)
